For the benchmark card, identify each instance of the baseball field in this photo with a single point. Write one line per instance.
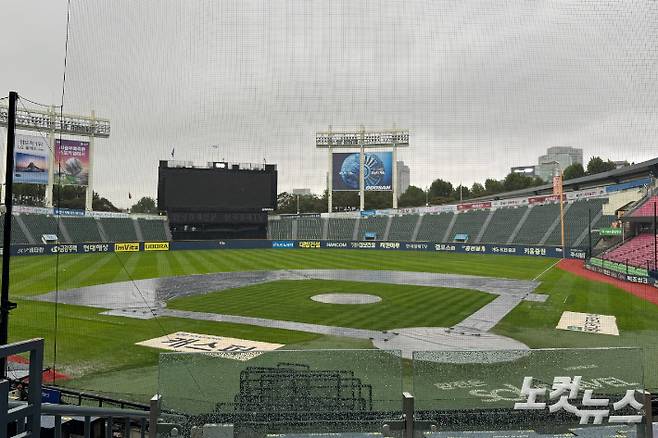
(98, 352)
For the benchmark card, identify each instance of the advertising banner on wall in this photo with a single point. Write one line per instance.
(378, 171)
(72, 162)
(473, 206)
(31, 159)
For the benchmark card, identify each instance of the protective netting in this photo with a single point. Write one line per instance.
(497, 137)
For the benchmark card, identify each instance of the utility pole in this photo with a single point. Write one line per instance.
(5, 305)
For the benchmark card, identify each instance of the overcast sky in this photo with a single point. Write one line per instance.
(481, 85)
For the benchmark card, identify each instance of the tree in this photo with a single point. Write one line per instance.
(378, 200)
(493, 186)
(99, 203)
(576, 170)
(145, 205)
(441, 189)
(287, 203)
(461, 192)
(477, 190)
(597, 165)
(518, 181)
(413, 197)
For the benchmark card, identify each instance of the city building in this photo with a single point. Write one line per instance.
(403, 177)
(564, 155)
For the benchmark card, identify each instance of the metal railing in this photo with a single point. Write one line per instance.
(27, 415)
(23, 418)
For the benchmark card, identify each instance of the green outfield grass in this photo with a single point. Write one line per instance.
(38, 274)
(290, 300)
(99, 351)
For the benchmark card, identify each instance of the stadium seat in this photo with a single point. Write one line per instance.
(373, 224)
(576, 221)
(341, 229)
(280, 229)
(502, 224)
(402, 227)
(82, 229)
(470, 223)
(38, 225)
(638, 251)
(540, 218)
(119, 229)
(309, 228)
(153, 229)
(434, 227)
(647, 208)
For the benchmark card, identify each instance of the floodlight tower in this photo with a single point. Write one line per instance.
(362, 140)
(52, 122)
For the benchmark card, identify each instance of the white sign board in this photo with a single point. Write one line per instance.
(218, 345)
(588, 323)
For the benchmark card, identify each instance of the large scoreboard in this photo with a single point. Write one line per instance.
(217, 201)
(219, 187)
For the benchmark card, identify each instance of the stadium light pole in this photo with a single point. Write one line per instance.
(5, 305)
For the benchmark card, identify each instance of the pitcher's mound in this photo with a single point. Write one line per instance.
(346, 298)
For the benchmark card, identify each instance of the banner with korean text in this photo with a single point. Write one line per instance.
(72, 162)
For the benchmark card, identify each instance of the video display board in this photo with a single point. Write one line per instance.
(378, 171)
(194, 189)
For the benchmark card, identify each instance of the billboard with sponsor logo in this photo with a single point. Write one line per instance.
(156, 246)
(474, 206)
(378, 171)
(126, 247)
(31, 159)
(72, 162)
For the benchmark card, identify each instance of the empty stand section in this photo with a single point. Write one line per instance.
(281, 229)
(469, 223)
(434, 227)
(341, 229)
(38, 225)
(502, 224)
(638, 251)
(82, 229)
(309, 228)
(372, 224)
(646, 209)
(153, 229)
(17, 235)
(539, 220)
(402, 227)
(576, 219)
(119, 229)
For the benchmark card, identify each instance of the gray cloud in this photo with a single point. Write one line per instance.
(481, 85)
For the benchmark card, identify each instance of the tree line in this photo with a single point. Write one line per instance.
(439, 192)
(73, 197)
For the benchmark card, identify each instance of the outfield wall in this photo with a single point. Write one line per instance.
(463, 248)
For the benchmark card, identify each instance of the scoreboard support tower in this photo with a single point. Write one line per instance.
(362, 139)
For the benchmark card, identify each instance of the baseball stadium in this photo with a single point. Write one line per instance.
(239, 222)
